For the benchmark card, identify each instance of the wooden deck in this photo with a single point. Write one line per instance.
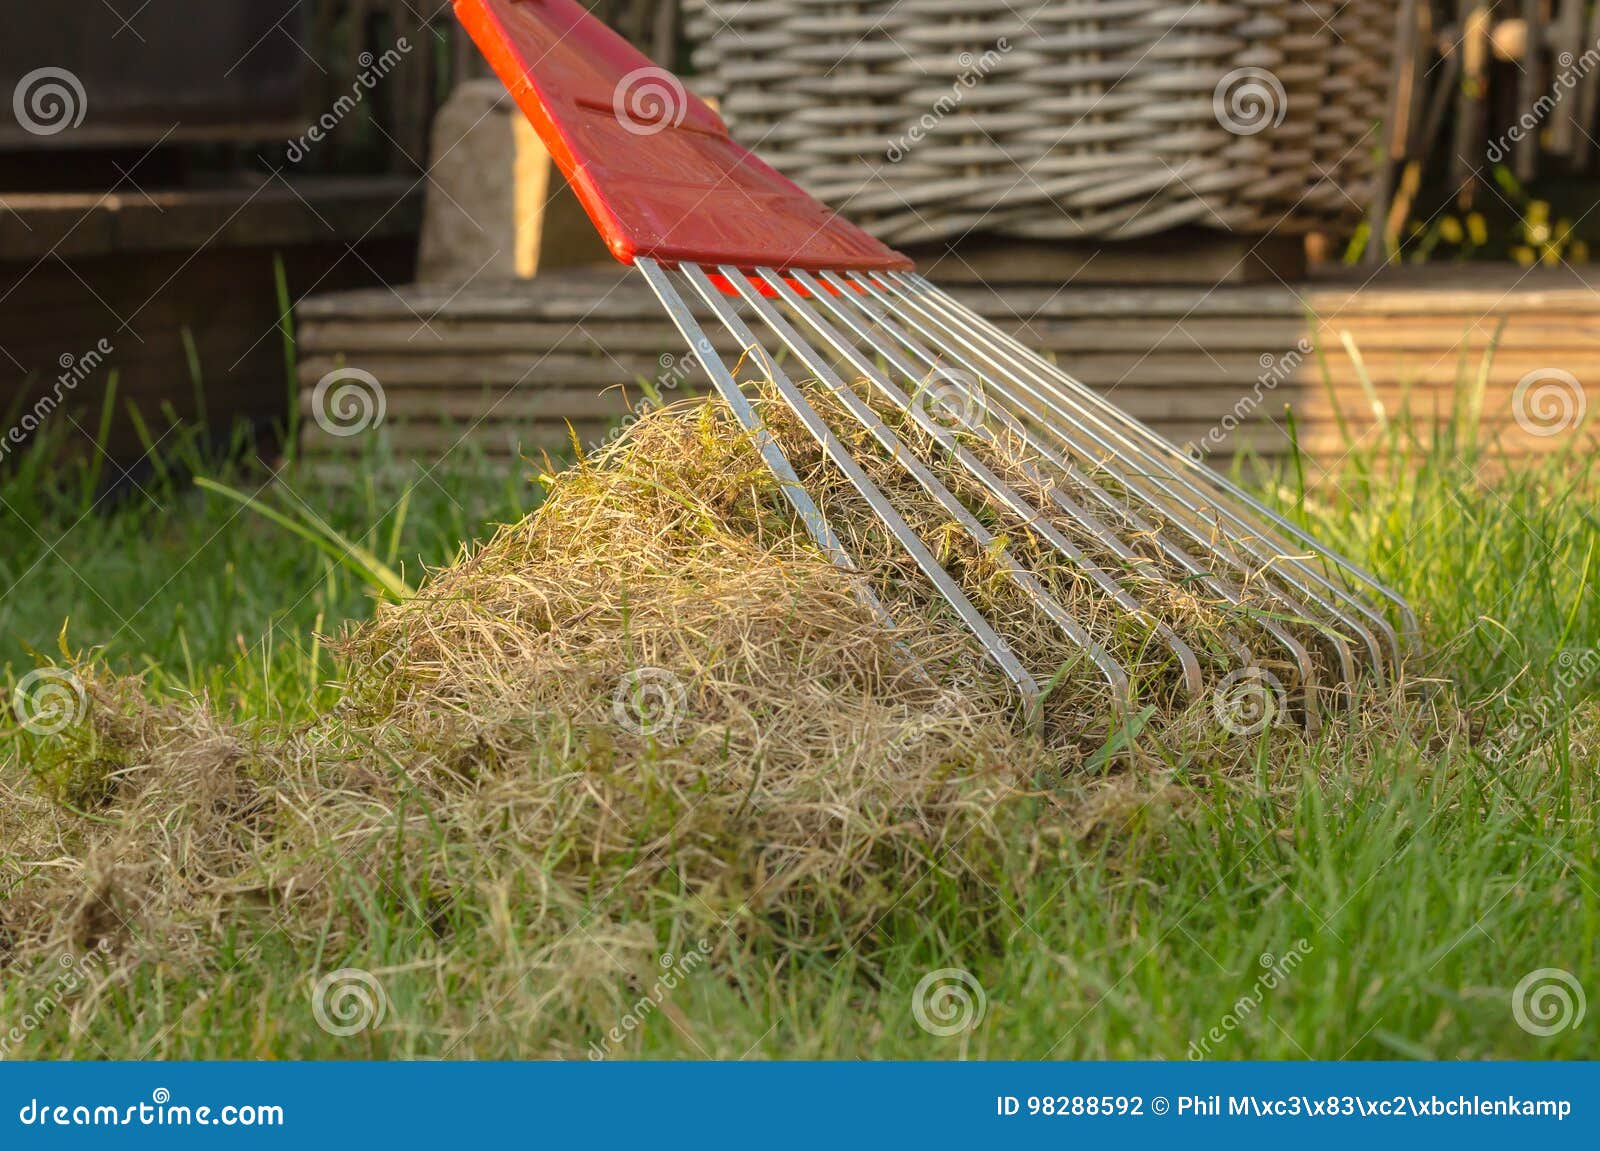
(508, 365)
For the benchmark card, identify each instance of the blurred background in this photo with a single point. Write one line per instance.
(207, 212)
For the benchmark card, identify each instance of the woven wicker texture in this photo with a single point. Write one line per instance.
(926, 119)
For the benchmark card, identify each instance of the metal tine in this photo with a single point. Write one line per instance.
(1206, 475)
(1116, 675)
(992, 642)
(810, 515)
(1283, 563)
(1306, 666)
(1270, 561)
(1407, 615)
(1277, 557)
(930, 301)
(1297, 652)
(1194, 679)
(1194, 682)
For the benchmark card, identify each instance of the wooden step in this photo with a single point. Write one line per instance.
(504, 365)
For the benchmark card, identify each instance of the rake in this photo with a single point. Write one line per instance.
(702, 219)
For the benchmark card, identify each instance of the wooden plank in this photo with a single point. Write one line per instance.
(1434, 366)
(1566, 42)
(580, 405)
(598, 294)
(1470, 96)
(475, 371)
(76, 225)
(407, 336)
(1193, 337)
(1530, 86)
(1159, 404)
(1186, 256)
(431, 441)
(1397, 128)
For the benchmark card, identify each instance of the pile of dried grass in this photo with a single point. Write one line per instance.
(650, 694)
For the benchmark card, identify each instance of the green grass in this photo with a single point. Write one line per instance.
(1416, 885)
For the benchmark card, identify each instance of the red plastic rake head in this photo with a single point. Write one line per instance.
(653, 165)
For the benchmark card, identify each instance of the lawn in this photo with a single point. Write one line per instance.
(1380, 892)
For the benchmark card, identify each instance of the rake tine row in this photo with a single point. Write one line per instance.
(1172, 461)
(996, 647)
(896, 334)
(1310, 595)
(1297, 652)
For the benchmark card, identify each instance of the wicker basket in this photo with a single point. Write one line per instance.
(926, 119)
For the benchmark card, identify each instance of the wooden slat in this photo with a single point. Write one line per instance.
(525, 358)
(580, 405)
